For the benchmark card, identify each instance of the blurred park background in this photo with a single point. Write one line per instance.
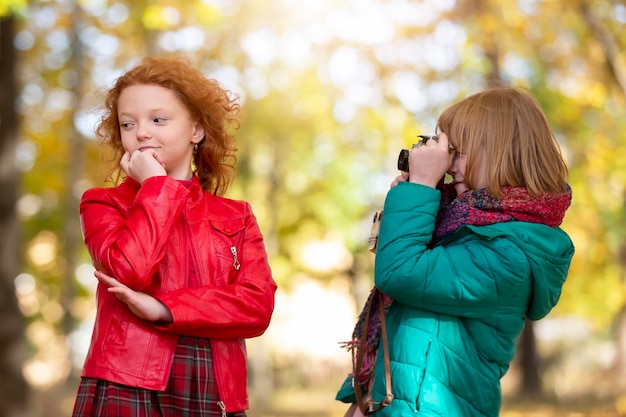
(331, 90)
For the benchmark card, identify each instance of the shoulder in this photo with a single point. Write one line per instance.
(531, 237)
(496, 253)
(223, 209)
(518, 246)
(123, 191)
(130, 187)
(518, 228)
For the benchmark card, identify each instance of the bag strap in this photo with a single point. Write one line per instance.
(372, 241)
(363, 405)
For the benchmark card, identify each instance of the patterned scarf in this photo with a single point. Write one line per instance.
(472, 207)
(480, 208)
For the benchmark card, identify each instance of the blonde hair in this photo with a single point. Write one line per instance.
(506, 129)
(207, 102)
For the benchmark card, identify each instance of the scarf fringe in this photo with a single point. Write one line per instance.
(372, 337)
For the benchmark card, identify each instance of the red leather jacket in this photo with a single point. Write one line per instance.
(148, 236)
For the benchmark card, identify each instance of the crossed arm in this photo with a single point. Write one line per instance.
(141, 304)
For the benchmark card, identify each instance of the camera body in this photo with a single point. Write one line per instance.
(403, 158)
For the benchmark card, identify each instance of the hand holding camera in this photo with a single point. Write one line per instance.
(427, 161)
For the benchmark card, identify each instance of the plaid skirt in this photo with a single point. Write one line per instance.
(191, 390)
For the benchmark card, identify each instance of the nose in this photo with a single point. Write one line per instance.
(143, 132)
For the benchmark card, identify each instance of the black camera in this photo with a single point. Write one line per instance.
(403, 158)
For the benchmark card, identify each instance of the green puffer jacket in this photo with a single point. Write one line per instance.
(458, 306)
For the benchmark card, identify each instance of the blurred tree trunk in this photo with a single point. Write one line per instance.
(262, 383)
(611, 48)
(608, 43)
(619, 367)
(13, 387)
(529, 361)
(74, 172)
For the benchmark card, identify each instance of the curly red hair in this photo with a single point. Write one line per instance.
(212, 106)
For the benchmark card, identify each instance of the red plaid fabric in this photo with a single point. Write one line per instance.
(191, 391)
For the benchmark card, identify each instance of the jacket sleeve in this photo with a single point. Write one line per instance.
(468, 276)
(242, 309)
(128, 242)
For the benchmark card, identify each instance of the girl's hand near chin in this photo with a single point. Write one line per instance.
(141, 165)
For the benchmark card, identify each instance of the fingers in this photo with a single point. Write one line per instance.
(141, 165)
(107, 280)
(104, 278)
(121, 291)
(158, 159)
(119, 294)
(444, 142)
(125, 162)
(400, 178)
(432, 143)
(429, 160)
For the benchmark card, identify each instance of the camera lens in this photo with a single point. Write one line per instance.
(403, 160)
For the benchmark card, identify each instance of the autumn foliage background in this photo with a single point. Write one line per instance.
(331, 90)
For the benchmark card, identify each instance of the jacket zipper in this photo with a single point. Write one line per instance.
(233, 250)
(222, 407)
(236, 263)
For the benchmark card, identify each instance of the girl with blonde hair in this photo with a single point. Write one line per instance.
(463, 265)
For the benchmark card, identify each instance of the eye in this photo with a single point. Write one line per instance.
(159, 119)
(126, 125)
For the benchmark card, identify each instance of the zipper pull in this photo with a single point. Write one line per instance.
(236, 263)
(222, 405)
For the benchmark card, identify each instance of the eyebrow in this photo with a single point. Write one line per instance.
(154, 110)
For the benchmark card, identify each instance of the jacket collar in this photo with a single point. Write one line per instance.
(196, 193)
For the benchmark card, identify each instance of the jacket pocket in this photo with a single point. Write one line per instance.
(410, 337)
(117, 330)
(228, 239)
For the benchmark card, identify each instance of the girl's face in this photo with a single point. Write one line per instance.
(152, 117)
(457, 171)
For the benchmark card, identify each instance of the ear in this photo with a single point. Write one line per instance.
(198, 133)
